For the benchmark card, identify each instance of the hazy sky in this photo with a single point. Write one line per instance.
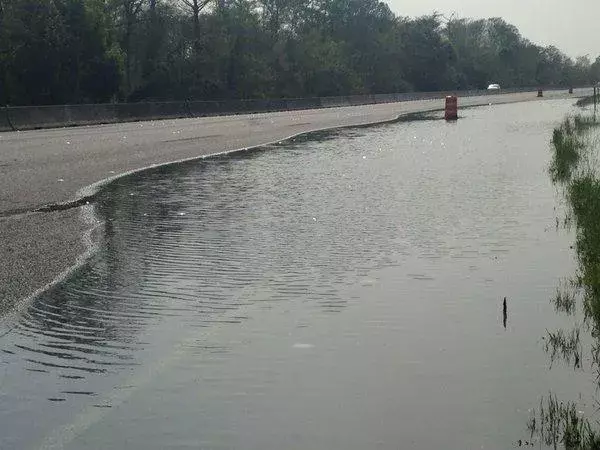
(571, 25)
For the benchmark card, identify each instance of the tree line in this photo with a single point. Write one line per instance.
(81, 51)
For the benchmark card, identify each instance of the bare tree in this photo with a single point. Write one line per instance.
(196, 7)
(131, 11)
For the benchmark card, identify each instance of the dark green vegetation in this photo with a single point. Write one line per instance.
(74, 51)
(585, 101)
(568, 141)
(574, 168)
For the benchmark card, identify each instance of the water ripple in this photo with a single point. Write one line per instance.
(387, 225)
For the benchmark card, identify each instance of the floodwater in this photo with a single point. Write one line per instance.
(342, 291)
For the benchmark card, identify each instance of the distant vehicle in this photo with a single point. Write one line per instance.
(493, 87)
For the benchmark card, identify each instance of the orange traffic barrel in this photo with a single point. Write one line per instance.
(451, 111)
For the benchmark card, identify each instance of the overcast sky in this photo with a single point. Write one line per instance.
(571, 25)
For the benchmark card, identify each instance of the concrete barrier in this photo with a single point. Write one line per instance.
(304, 103)
(332, 102)
(202, 108)
(28, 117)
(133, 112)
(31, 117)
(88, 114)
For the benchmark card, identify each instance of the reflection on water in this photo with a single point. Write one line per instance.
(340, 291)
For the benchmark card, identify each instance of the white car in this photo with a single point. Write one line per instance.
(493, 87)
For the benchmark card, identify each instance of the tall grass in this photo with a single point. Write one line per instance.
(558, 423)
(564, 345)
(568, 142)
(565, 299)
(572, 166)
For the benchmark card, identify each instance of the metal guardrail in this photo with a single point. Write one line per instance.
(33, 117)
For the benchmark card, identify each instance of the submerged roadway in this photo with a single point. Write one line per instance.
(63, 166)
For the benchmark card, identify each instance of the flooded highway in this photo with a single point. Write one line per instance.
(340, 291)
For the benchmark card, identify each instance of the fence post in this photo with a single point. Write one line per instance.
(10, 124)
(188, 108)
